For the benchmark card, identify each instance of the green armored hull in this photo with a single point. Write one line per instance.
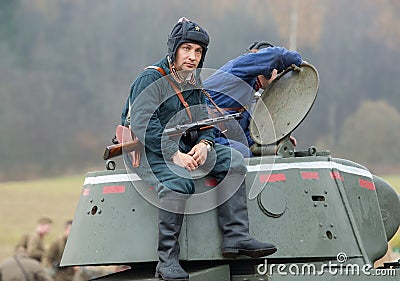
(316, 209)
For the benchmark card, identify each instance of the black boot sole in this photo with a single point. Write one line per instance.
(159, 275)
(233, 253)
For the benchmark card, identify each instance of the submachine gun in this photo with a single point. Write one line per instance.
(188, 133)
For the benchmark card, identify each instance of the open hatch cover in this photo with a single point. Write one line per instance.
(284, 104)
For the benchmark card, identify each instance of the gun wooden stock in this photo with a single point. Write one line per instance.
(117, 149)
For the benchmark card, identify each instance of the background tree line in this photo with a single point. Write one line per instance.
(66, 68)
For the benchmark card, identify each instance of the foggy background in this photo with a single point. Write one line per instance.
(66, 68)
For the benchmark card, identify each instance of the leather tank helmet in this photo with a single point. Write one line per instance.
(187, 31)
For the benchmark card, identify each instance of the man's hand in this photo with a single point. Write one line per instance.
(199, 153)
(185, 160)
(264, 81)
(274, 74)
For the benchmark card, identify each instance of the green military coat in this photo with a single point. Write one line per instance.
(154, 105)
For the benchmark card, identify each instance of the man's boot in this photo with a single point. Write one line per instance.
(169, 226)
(234, 222)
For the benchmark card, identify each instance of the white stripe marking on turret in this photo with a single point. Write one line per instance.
(253, 168)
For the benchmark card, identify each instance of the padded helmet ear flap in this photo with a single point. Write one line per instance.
(259, 45)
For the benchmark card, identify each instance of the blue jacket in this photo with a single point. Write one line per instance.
(233, 85)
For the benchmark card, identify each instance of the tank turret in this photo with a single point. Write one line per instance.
(330, 218)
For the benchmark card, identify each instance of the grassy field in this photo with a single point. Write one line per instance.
(22, 203)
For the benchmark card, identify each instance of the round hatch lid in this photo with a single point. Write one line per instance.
(284, 104)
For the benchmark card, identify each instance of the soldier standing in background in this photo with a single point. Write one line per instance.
(52, 257)
(32, 243)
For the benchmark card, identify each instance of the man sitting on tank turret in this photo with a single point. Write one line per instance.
(233, 87)
(166, 162)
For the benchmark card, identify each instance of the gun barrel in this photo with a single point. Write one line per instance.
(181, 128)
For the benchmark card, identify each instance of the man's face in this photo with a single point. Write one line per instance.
(44, 228)
(188, 56)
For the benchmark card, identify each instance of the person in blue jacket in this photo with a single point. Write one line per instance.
(232, 87)
(166, 162)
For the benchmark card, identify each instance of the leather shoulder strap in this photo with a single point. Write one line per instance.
(212, 101)
(159, 69)
(178, 93)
